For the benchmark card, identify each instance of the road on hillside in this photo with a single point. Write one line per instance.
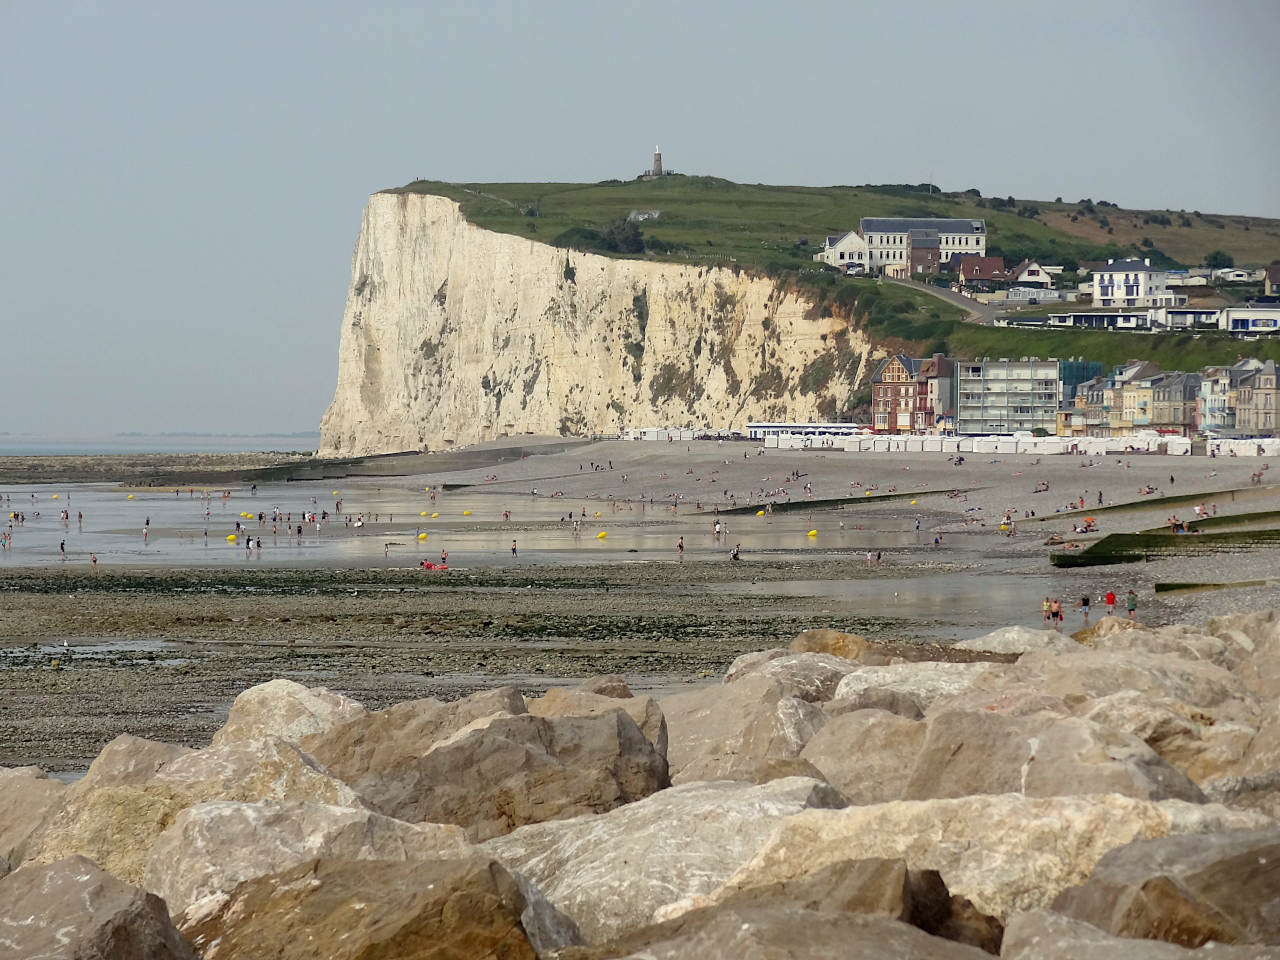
(976, 312)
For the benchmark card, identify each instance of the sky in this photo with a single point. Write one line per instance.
(181, 184)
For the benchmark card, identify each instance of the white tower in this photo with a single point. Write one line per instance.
(657, 162)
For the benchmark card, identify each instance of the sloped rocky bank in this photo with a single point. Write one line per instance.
(1111, 794)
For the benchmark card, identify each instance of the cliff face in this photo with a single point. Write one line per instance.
(454, 334)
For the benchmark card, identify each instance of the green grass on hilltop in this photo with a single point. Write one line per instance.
(708, 218)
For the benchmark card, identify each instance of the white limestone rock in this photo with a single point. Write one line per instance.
(610, 872)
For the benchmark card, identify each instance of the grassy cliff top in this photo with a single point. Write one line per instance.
(707, 218)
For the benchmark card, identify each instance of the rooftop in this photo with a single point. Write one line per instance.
(907, 224)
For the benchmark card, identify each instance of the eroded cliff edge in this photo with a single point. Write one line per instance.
(453, 334)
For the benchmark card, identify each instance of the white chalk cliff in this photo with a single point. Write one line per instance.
(454, 334)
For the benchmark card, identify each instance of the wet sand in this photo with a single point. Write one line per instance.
(159, 649)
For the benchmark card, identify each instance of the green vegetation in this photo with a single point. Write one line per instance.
(711, 219)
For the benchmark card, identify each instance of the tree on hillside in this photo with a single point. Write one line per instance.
(1219, 260)
(622, 236)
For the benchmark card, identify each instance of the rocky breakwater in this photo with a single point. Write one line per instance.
(1032, 796)
(454, 334)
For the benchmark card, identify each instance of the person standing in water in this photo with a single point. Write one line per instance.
(1084, 608)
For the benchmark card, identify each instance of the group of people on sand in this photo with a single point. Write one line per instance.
(1051, 609)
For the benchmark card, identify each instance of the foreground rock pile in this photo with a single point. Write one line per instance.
(1111, 795)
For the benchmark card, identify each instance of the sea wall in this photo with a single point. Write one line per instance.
(453, 334)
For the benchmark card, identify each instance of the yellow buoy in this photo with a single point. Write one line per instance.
(466, 513)
(759, 513)
(601, 535)
(335, 493)
(422, 536)
(129, 497)
(1004, 526)
(423, 513)
(867, 494)
(426, 489)
(434, 515)
(813, 533)
(55, 496)
(597, 513)
(913, 503)
(231, 538)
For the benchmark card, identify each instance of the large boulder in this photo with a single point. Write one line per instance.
(779, 932)
(116, 825)
(1003, 852)
(1118, 635)
(611, 872)
(74, 909)
(360, 751)
(808, 676)
(502, 772)
(1189, 739)
(1185, 889)
(1257, 637)
(28, 797)
(924, 681)
(559, 702)
(1018, 639)
(1094, 674)
(850, 646)
(731, 731)
(1044, 935)
(1038, 755)
(128, 761)
(606, 685)
(285, 710)
(874, 698)
(867, 755)
(212, 847)
(361, 909)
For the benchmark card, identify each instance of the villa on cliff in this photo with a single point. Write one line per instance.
(904, 246)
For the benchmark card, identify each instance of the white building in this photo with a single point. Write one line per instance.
(848, 252)
(1132, 283)
(888, 238)
(1001, 396)
(1030, 274)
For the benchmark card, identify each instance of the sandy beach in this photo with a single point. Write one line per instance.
(159, 640)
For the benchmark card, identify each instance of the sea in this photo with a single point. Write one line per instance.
(32, 445)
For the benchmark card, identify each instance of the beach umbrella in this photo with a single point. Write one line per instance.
(601, 535)
(466, 513)
(434, 515)
(231, 538)
(813, 533)
(422, 536)
(759, 513)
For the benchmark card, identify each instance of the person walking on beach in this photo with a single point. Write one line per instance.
(1084, 608)
(1044, 610)
(1055, 613)
(680, 548)
(444, 557)
(93, 563)
(1131, 603)
(1110, 601)
(513, 548)
(62, 547)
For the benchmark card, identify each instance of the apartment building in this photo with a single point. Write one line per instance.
(910, 395)
(1001, 396)
(889, 238)
(1257, 402)
(1174, 401)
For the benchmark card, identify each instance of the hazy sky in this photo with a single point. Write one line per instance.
(181, 184)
